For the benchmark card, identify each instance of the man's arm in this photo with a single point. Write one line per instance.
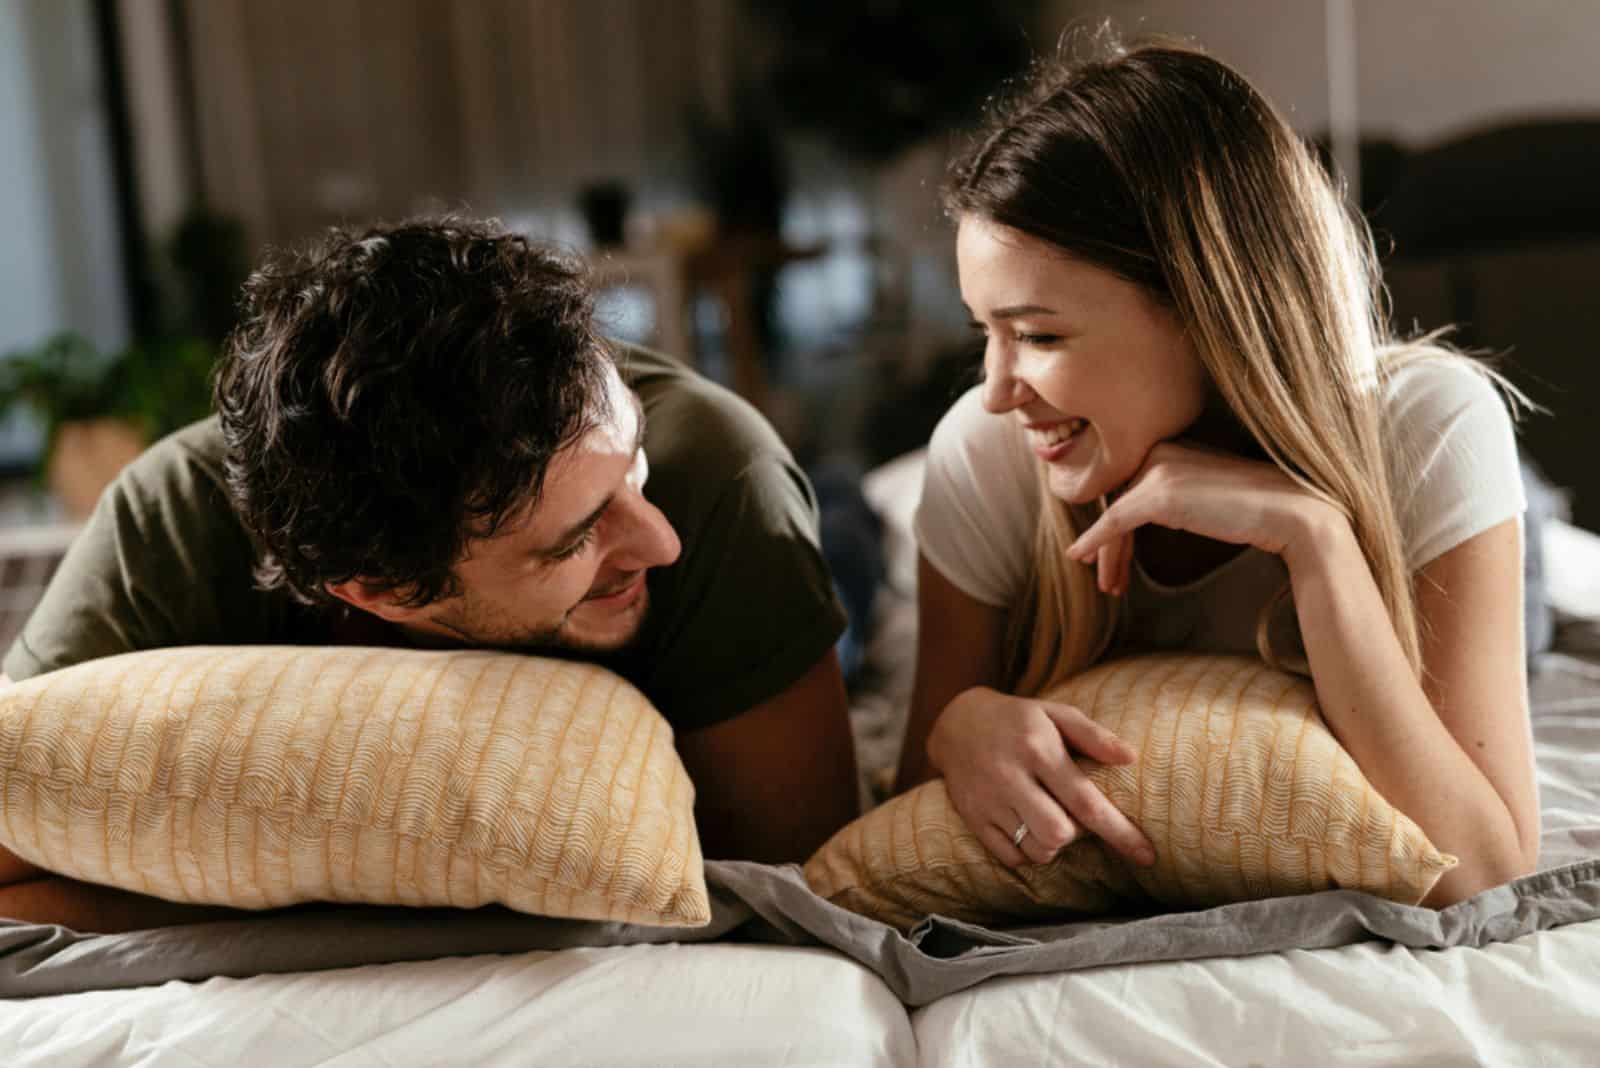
(101, 909)
(775, 783)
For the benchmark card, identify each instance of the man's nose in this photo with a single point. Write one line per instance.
(651, 541)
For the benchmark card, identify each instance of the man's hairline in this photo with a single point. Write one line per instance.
(531, 505)
(576, 530)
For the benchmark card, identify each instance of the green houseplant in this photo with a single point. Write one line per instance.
(98, 409)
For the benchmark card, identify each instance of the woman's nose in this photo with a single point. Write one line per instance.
(1003, 391)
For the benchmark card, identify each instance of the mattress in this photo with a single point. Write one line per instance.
(708, 1005)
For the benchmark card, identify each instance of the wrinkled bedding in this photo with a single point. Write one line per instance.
(771, 904)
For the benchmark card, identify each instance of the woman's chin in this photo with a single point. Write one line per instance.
(1074, 487)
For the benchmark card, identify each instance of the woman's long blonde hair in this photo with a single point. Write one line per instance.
(1164, 166)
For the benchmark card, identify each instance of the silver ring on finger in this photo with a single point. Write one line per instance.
(1019, 834)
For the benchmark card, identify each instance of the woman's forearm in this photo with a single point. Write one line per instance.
(1378, 710)
(960, 645)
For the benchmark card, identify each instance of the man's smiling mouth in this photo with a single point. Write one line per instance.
(619, 593)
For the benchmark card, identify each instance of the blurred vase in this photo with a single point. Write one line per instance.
(86, 456)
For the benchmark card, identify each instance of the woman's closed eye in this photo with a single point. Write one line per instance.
(1022, 337)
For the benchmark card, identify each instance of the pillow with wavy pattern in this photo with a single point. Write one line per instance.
(1240, 787)
(260, 776)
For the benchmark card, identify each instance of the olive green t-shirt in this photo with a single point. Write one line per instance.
(745, 610)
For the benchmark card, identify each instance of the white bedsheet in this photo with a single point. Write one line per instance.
(1533, 1002)
(637, 1005)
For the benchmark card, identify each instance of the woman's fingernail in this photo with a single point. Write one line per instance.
(1147, 857)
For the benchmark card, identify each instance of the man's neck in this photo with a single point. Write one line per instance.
(355, 627)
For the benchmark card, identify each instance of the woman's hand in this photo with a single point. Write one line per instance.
(1209, 493)
(1008, 762)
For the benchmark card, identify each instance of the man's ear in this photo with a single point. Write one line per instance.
(381, 601)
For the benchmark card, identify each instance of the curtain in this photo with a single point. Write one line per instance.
(313, 112)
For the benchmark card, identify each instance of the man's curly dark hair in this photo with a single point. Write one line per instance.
(390, 394)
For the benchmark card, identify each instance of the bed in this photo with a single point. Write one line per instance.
(1528, 1001)
(794, 981)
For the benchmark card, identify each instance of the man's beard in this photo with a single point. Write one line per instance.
(546, 640)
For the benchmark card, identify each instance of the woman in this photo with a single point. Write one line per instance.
(1195, 433)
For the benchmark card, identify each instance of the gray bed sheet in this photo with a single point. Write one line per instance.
(755, 902)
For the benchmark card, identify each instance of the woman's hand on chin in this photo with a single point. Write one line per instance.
(1008, 762)
(1212, 494)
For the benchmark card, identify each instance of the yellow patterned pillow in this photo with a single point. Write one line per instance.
(259, 776)
(1240, 787)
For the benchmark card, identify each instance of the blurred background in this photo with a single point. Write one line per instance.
(754, 182)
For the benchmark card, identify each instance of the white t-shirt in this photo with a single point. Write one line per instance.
(980, 501)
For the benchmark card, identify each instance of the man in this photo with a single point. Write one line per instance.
(422, 441)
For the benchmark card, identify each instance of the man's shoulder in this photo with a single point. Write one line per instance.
(162, 560)
(696, 429)
(191, 457)
(178, 485)
(712, 647)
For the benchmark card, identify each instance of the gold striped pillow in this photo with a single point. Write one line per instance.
(1240, 787)
(260, 776)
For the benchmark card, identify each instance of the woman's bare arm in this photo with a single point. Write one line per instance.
(960, 644)
(1455, 753)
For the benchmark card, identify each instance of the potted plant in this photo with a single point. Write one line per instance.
(98, 410)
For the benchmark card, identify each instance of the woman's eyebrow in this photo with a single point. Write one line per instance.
(1012, 311)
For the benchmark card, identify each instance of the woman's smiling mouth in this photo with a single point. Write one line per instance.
(1052, 441)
